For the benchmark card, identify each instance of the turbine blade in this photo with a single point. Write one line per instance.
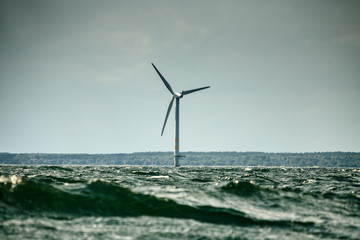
(167, 115)
(193, 90)
(164, 81)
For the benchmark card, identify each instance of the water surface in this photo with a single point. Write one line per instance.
(128, 202)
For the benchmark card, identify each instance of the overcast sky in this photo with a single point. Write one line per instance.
(76, 76)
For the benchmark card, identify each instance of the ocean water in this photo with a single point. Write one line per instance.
(133, 202)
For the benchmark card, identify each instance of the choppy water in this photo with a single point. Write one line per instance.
(121, 202)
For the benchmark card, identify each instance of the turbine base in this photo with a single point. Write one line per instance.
(176, 160)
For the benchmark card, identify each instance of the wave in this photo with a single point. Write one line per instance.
(243, 188)
(100, 198)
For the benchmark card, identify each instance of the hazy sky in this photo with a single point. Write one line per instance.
(76, 76)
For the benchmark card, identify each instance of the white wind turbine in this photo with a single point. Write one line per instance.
(176, 96)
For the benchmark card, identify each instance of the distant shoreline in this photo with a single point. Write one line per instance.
(311, 159)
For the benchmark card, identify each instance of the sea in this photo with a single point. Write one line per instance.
(158, 202)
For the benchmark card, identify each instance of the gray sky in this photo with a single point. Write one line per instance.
(76, 76)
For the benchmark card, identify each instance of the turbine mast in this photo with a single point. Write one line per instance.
(177, 155)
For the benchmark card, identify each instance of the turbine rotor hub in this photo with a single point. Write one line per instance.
(179, 94)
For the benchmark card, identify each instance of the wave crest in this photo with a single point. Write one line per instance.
(242, 188)
(100, 198)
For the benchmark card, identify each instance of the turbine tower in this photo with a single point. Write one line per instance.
(177, 97)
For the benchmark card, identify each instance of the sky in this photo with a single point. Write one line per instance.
(76, 76)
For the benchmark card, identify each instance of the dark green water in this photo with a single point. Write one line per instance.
(119, 202)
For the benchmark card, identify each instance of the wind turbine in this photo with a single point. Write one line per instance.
(176, 96)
